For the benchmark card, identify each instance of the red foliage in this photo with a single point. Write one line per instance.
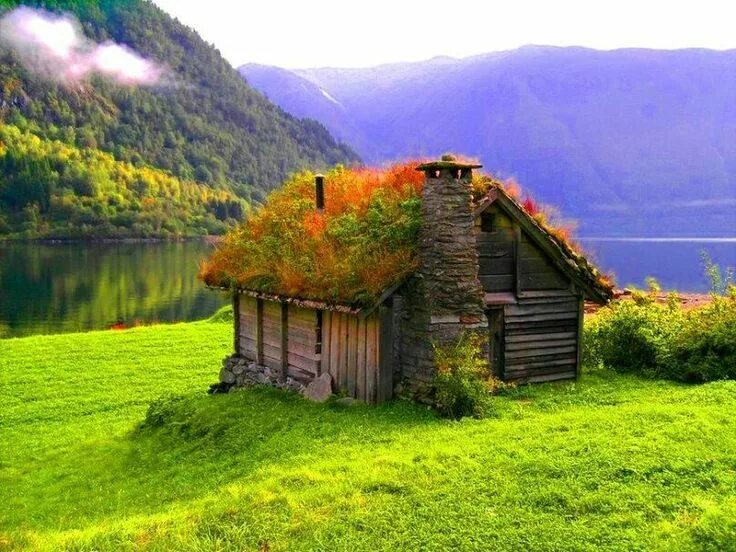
(530, 206)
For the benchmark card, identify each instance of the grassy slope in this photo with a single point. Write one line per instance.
(608, 463)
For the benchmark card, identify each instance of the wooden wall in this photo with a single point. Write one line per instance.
(247, 328)
(541, 337)
(354, 351)
(542, 313)
(351, 353)
(495, 252)
(302, 344)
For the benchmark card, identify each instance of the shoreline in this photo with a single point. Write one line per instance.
(64, 241)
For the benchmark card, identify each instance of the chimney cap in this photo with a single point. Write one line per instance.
(447, 162)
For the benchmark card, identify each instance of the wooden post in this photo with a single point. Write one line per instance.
(259, 331)
(236, 321)
(385, 389)
(517, 261)
(284, 340)
(579, 353)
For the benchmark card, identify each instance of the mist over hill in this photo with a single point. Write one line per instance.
(121, 77)
(627, 142)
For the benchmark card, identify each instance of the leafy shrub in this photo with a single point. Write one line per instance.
(464, 383)
(705, 349)
(665, 341)
(363, 241)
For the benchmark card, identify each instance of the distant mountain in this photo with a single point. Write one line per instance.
(628, 142)
(202, 124)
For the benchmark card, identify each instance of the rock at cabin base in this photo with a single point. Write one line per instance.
(226, 376)
(320, 389)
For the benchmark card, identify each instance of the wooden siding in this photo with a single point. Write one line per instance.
(536, 271)
(541, 338)
(271, 325)
(508, 261)
(303, 360)
(495, 251)
(350, 354)
(247, 328)
(350, 350)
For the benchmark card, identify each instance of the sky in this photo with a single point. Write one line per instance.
(320, 33)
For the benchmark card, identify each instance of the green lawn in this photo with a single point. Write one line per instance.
(611, 462)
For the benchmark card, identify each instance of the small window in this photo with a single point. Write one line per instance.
(487, 222)
(318, 346)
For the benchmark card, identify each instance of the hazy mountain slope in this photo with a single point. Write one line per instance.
(203, 123)
(627, 141)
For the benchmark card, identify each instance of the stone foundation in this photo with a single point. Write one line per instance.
(238, 371)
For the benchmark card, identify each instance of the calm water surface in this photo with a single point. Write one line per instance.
(675, 262)
(53, 288)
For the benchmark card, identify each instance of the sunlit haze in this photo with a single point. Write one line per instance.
(360, 34)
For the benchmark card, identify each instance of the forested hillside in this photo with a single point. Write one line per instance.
(201, 123)
(628, 142)
(53, 190)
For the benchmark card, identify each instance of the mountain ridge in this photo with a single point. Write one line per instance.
(613, 138)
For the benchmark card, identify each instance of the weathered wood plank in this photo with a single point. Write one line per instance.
(517, 285)
(307, 351)
(540, 352)
(304, 364)
(236, 321)
(259, 331)
(326, 336)
(542, 344)
(524, 364)
(342, 353)
(540, 371)
(271, 362)
(385, 332)
(360, 388)
(496, 283)
(352, 361)
(547, 295)
(579, 352)
(523, 318)
(284, 340)
(514, 338)
(543, 280)
(493, 266)
(539, 328)
(371, 366)
(529, 309)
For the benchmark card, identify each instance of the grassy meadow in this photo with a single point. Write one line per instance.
(612, 462)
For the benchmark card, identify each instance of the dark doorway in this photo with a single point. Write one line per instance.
(495, 341)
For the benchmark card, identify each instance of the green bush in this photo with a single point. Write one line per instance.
(665, 341)
(464, 383)
(705, 349)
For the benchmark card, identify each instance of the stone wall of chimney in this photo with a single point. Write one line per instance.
(445, 297)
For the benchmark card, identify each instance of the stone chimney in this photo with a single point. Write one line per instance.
(447, 252)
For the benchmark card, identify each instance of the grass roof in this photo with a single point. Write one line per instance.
(363, 242)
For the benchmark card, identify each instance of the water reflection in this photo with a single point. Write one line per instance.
(52, 288)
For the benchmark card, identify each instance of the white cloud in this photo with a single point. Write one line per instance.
(54, 47)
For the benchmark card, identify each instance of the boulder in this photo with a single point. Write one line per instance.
(226, 376)
(320, 389)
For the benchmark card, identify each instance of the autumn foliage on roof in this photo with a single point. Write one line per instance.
(363, 242)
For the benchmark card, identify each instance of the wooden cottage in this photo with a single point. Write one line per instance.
(483, 265)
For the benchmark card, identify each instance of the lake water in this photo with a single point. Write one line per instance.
(675, 262)
(52, 288)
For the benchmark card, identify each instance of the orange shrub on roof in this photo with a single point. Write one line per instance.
(364, 241)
